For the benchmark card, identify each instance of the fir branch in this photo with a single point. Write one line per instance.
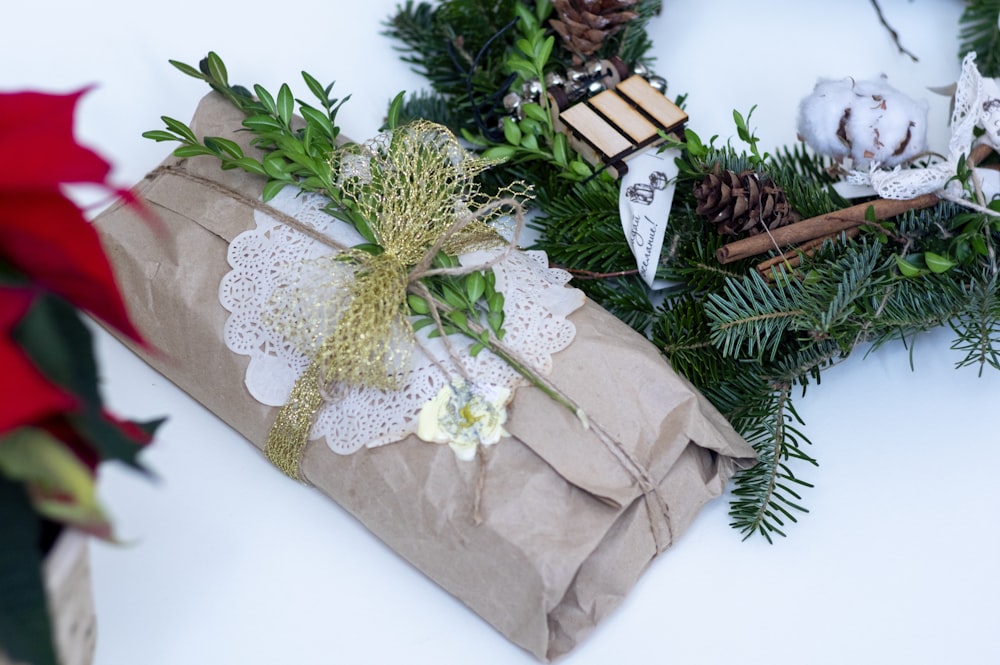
(978, 32)
(633, 43)
(978, 327)
(749, 318)
(767, 494)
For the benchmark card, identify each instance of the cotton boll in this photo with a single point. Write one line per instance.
(868, 121)
(886, 127)
(821, 117)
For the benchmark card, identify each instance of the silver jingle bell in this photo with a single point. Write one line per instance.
(532, 90)
(595, 87)
(554, 80)
(658, 83)
(512, 102)
(576, 76)
(641, 69)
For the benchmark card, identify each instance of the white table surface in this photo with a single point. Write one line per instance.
(227, 561)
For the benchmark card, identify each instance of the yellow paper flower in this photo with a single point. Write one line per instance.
(465, 417)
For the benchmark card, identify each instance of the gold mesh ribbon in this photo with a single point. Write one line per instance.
(416, 189)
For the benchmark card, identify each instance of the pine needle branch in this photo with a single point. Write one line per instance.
(767, 495)
(978, 32)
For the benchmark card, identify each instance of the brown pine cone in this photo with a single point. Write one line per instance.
(585, 24)
(742, 203)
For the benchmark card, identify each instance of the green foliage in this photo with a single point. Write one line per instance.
(294, 152)
(25, 629)
(301, 151)
(746, 341)
(979, 33)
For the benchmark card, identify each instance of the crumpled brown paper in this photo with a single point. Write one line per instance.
(566, 530)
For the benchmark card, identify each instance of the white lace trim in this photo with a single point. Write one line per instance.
(977, 102)
(536, 298)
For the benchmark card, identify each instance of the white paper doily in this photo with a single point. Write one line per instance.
(537, 302)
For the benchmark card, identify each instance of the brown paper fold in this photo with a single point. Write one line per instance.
(565, 531)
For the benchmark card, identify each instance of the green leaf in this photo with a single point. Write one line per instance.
(262, 123)
(522, 68)
(286, 104)
(422, 323)
(528, 22)
(159, 135)
(25, 628)
(275, 166)
(417, 304)
(511, 132)
(560, 149)
(495, 320)
(542, 10)
(217, 68)
(495, 301)
(535, 112)
(395, 108)
(544, 51)
(938, 263)
(249, 165)
(179, 128)
(272, 188)
(63, 487)
(315, 87)
(317, 118)
(475, 286)
(217, 144)
(907, 267)
(474, 139)
(266, 99)
(459, 319)
(187, 69)
(192, 151)
(499, 152)
(453, 297)
(529, 141)
(580, 167)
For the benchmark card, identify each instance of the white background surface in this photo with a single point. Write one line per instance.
(226, 561)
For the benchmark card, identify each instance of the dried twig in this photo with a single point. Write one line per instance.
(895, 35)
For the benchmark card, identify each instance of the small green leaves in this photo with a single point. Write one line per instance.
(286, 104)
(180, 129)
(918, 264)
(511, 131)
(417, 304)
(395, 108)
(937, 263)
(217, 69)
(475, 286)
(908, 267)
(499, 152)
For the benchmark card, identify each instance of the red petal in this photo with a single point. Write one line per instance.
(37, 146)
(45, 236)
(26, 396)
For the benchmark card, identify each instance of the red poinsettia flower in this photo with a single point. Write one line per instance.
(27, 396)
(42, 233)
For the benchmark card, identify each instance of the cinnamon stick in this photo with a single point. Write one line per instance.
(793, 257)
(819, 226)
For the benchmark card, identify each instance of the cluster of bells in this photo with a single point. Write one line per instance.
(593, 77)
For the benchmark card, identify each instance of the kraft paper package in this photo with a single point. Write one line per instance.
(562, 522)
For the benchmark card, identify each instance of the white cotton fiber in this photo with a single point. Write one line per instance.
(868, 121)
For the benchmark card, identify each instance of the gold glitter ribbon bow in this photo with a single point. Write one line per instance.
(415, 189)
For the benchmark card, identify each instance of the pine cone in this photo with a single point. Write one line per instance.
(744, 202)
(585, 24)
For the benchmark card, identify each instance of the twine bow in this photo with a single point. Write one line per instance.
(415, 190)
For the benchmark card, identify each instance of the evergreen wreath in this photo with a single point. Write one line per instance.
(750, 333)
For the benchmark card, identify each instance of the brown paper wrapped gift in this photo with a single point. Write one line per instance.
(564, 529)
